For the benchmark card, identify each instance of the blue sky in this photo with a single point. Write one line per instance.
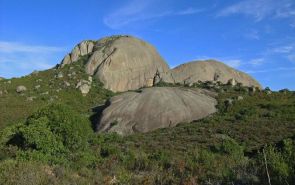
(254, 36)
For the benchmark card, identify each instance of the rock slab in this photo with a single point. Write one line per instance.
(154, 108)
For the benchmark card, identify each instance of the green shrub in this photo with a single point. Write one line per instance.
(69, 127)
(280, 162)
(48, 135)
(230, 147)
(162, 157)
(22, 173)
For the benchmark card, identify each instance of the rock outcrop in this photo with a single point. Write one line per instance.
(208, 70)
(84, 86)
(153, 108)
(20, 89)
(83, 48)
(125, 63)
(121, 63)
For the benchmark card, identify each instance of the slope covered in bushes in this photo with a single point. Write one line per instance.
(45, 87)
(233, 146)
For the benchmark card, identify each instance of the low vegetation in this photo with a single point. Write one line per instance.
(252, 134)
(45, 87)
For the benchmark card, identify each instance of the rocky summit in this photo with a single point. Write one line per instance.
(121, 63)
(154, 108)
(125, 63)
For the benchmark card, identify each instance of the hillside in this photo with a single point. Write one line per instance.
(225, 147)
(64, 126)
(45, 87)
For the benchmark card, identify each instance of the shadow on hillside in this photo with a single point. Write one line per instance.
(97, 114)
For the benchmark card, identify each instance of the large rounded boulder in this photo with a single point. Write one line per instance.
(121, 63)
(208, 70)
(153, 108)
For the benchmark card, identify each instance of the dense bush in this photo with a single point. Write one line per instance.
(49, 134)
(281, 162)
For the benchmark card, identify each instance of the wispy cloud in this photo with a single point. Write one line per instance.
(10, 47)
(283, 49)
(286, 50)
(257, 62)
(252, 35)
(17, 59)
(142, 10)
(233, 63)
(261, 9)
(291, 57)
(272, 70)
(189, 11)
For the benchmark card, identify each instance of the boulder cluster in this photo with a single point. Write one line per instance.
(124, 63)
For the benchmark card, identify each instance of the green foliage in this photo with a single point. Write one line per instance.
(68, 127)
(55, 145)
(230, 147)
(51, 90)
(280, 162)
(50, 134)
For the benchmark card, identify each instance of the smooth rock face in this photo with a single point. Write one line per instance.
(75, 54)
(125, 63)
(208, 70)
(121, 63)
(154, 108)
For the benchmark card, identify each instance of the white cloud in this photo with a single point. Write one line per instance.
(135, 10)
(10, 47)
(253, 35)
(272, 70)
(141, 10)
(261, 9)
(189, 11)
(283, 49)
(291, 57)
(257, 62)
(233, 63)
(18, 59)
(287, 51)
